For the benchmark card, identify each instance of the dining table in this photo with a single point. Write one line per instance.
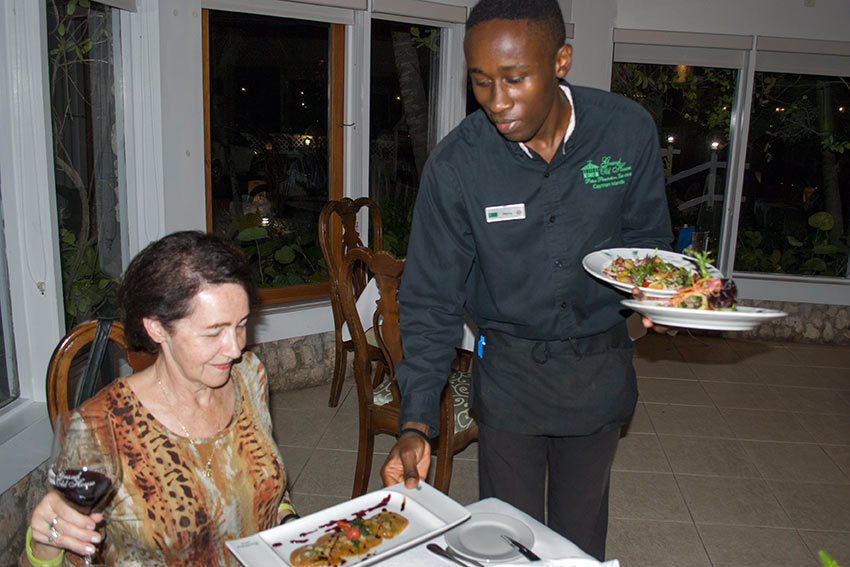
(475, 533)
(552, 548)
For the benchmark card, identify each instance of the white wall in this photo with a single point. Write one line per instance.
(593, 48)
(182, 114)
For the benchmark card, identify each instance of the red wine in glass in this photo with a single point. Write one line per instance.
(84, 464)
(85, 489)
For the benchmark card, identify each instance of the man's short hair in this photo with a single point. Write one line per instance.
(546, 14)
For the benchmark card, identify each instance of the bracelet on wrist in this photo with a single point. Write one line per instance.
(290, 515)
(415, 431)
(55, 562)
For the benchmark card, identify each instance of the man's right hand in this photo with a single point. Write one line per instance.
(409, 459)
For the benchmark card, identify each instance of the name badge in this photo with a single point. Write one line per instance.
(505, 212)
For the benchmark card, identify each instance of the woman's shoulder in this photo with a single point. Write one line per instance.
(114, 395)
(249, 363)
(250, 373)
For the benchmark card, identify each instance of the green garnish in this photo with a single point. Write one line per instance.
(703, 259)
(826, 560)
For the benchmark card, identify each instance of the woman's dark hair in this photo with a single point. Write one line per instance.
(546, 14)
(162, 280)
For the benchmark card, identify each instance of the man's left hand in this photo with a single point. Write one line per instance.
(638, 294)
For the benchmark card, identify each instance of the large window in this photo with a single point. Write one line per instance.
(755, 135)
(87, 148)
(402, 129)
(274, 150)
(794, 215)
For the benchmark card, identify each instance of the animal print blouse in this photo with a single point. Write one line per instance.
(166, 512)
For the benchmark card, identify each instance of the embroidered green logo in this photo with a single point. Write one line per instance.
(609, 173)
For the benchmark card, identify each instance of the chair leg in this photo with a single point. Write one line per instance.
(363, 469)
(443, 466)
(379, 374)
(462, 360)
(340, 359)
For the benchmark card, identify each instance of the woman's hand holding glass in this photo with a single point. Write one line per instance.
(83, 472)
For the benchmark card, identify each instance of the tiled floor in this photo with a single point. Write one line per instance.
(739, 455)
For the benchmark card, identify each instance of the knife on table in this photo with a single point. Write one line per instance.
(530, 555)
(446, 554)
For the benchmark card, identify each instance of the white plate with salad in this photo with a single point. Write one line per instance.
(740, 319)
(658, 273)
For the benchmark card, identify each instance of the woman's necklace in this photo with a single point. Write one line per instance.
(208, 466)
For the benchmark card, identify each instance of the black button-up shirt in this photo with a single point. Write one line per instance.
(523, 277)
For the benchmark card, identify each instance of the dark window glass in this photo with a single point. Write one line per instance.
(269, 147)
(796, 191)
(405, 67)
(81, 47)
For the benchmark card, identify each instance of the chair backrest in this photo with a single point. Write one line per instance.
(386, 269)
(70, 381)
(338, 234)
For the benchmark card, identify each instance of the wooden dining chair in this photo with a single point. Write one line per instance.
(379, 406)
(81, 347)
(337, 235)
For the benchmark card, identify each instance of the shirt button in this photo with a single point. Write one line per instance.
(546, 174)
(564, 305)
(552, 219)
(559, 264)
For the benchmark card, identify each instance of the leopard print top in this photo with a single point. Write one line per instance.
(166, 512)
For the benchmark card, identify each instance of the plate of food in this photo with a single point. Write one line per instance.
(740, 318)
(658, 273)
(481, 539)
(710, 302)
(361, 531)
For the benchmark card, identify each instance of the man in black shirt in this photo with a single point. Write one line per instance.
(510, 202)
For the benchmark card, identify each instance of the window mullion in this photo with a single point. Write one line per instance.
(739, 128)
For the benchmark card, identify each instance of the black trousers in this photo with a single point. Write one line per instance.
(513, 467)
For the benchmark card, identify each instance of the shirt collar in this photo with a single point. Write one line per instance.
(570, 127)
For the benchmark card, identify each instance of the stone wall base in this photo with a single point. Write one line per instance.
(812, 323)
(299, 362)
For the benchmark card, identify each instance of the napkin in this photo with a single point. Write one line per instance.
(565, 562)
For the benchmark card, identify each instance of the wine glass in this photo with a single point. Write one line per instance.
(84, 463)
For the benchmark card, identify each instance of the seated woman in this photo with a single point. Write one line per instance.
(199, 464)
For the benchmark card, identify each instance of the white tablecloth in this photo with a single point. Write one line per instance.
(367, 303)
(552, 548)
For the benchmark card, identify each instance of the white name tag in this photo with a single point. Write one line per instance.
(505, 212)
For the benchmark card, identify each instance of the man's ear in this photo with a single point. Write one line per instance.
(563, 60)
(156, 331)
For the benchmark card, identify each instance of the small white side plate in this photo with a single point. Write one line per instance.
(481, 538)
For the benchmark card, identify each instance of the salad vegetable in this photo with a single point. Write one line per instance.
(650, 272)
(707, 292)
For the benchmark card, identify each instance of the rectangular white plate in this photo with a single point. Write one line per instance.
(429, 513)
